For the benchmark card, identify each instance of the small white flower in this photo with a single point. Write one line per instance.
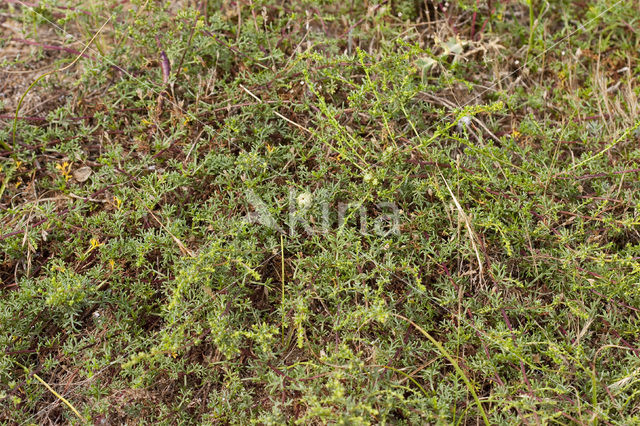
(304, 200)
(463, 123)
(370, 179)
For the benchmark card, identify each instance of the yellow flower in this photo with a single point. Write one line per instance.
(65, 170)
(94, 244)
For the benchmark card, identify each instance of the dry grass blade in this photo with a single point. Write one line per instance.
(467, 222)
(56, 394)
(453, 362)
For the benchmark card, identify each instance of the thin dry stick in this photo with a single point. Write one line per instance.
(467, 223)
(78, 197)
(181, 246)
(276, 112)
(282, 277)
(450, 105)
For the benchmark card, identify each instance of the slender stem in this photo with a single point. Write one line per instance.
(531, 29)
(50, 389)
(453, 362)
(282, 279)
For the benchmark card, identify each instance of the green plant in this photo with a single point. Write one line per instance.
(320, 212)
